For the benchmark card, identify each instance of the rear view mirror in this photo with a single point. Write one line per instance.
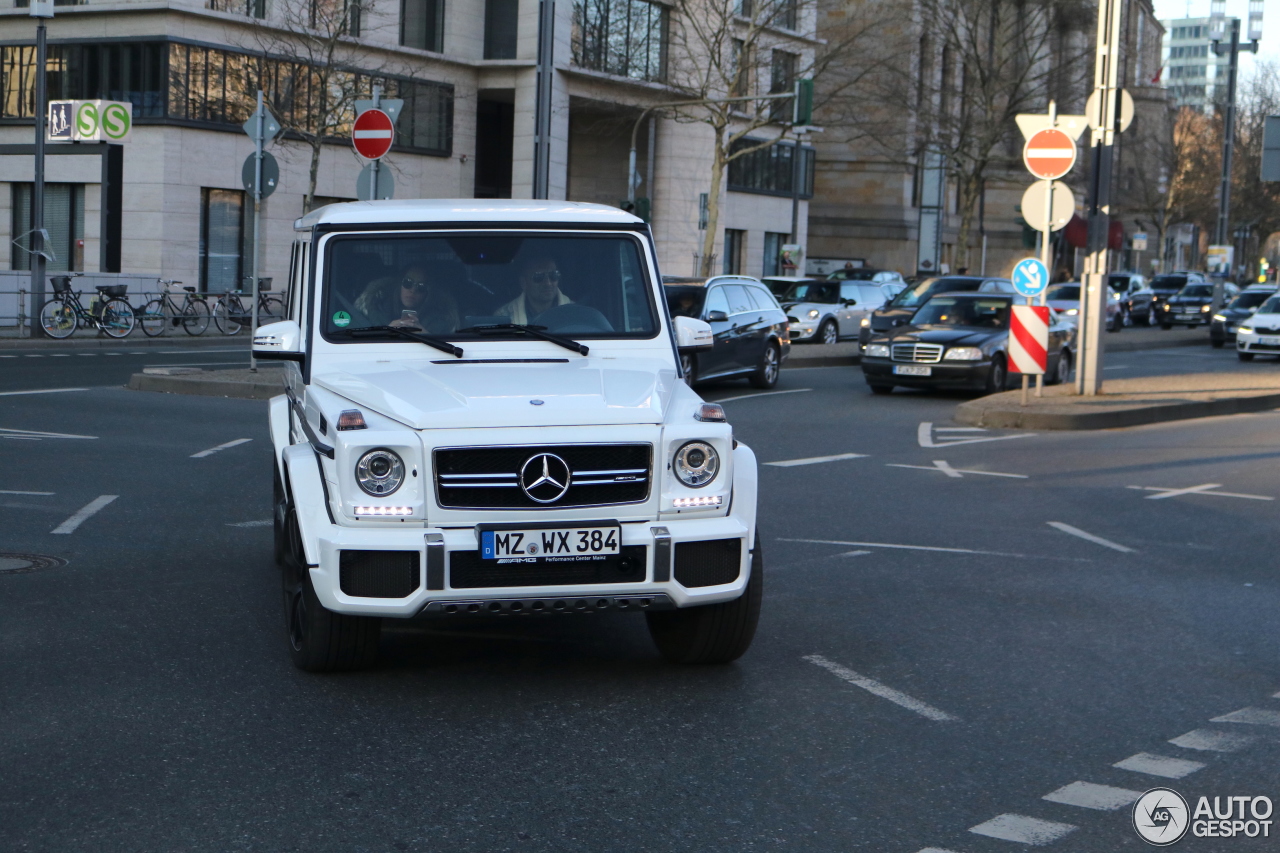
(716, 316)
(693, 335)
(278, 341)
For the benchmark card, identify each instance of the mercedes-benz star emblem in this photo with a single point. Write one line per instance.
(545, 478)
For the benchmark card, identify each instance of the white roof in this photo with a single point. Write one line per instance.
(464, 210)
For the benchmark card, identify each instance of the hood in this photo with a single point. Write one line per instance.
(886, 318)
(1270, 322)
(1190, 300)
(947, 335)
(577, 392)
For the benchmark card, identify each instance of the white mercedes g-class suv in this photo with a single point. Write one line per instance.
(484, 414)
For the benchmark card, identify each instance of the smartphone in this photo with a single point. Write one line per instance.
(410, 317)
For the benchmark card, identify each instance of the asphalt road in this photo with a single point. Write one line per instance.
(936, 650)
(33, 368)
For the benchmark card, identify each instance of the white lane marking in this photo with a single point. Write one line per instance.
(882, 690)
(1202, 489)
(1089, 537)
(83, 514)
(899, 547)
(959, 429)
(761, 394)
(1275, 695)
(212, 450)
(262, 522)
(1208, 740)
(1251, 716)
(934, 850)
(114, 353)
(8, 492)
(34, 355)
(945, 467)
(1023, 829)
(20, 437)
(1088, 795)
(8, 356)
(34, 433)
(853, 554)
(60, 355)
(814, 460)
(1159, 765)
(924, 436)
(40, 391)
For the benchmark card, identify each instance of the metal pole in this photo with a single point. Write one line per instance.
(374, 166)
(257, 211)
(1228, 137)
(542, 112)
(795, 193)
(37, 187)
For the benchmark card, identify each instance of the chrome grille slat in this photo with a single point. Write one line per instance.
(916, 353)
(488, 477)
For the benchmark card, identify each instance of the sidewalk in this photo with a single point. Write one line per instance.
(136, 340)
(1130, 402)
(243, 383)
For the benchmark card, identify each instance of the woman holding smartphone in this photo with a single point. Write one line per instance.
(409, 301)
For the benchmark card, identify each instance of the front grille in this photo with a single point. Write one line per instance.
(488, 477)
(378, 574)
(1263, 330)
(708, 563)
(467, 570)
(918, 353)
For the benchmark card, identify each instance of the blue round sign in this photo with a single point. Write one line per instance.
(1030, 277)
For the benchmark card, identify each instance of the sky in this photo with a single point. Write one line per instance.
(1268, 48)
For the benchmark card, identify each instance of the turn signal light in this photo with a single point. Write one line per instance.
(383, 510)
(352, 419)
(711, 412)
(699, 501)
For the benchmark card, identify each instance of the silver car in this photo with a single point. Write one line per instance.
(827, 311)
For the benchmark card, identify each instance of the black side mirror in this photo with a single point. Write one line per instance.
(848, 302)
(716, 316)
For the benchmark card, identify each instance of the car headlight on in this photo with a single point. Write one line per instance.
(1205, 309)
(878, 350)
(865, 322)
(963, 354)
(380, 472)
(1071, 312)
(696, 464)
(1221, 318)
(813, 313)
(1245, 330)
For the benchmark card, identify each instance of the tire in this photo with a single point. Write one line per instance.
(998, 376)
(712, 633)
(828, 333)
(1217, 343)
(319, 639)
(1244, 356)
(279, 514)
(689, 367)
(1117, 323)
(225, 312)
(766, 375)
(117, 318)
(152, 318)
(1061, 370)
(880, 389)
(58, 319)
(195, 317)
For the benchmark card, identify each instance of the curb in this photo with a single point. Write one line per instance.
(973, 414)
(130, 342)
(198, 386)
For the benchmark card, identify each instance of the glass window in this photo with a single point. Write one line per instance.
(500, 28)
(961, 311)
(812, 291)
(872, 296)
(1200, 290)
(773, 243)
(851, 291)
(762, 298)
(734, 240)
(918, 294)
(717, 301)
(782, 78)
(1250, 300)
(769, 170)
(623, 37)
(223, 239)
(422, 24)
(685, 301)
(1063, 293)
(1168, 282)
(63, 219)
(583, 286)
(739, 302)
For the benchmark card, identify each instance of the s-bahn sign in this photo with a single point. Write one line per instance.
(1049, 154)
(89, 121)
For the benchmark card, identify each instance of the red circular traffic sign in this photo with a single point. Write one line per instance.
(372, 134)
(1049, 154)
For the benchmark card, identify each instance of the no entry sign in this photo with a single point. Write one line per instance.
(1029, 339)
(1049, 154)
(372, 134)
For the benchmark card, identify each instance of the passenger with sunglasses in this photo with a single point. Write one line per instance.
(409, 300)
(539, 291)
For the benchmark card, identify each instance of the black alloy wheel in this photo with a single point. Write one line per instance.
(998, 376)
(1061, 370)
(766, 374)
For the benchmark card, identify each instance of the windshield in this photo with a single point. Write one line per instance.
(587, 286)
(1205, 290)
(962, 311)
(1271, 306)
(812, 291)
(685, 300)
(1063, 293)
(917, 295)
(1119, 283)
(1249, 301)
(1168, 282)
(852, 275)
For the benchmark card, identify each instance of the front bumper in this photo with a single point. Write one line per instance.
(1254, 343)
(1180, 316)
(955, 374)
(1220, 331)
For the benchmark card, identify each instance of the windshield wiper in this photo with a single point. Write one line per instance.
(536, 331)
(442, 345)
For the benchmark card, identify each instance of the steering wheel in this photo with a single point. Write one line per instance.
(573, 319)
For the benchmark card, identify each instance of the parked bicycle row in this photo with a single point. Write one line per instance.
(177, 306)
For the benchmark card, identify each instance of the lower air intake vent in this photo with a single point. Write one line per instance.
(468, 571)
(709, 563)
(379, 574)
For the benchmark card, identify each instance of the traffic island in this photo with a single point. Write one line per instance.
(1128, 402)
(266, 383)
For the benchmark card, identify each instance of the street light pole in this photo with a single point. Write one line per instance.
(40, 10)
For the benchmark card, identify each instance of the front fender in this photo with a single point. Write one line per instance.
(309, 496)
(745, 487)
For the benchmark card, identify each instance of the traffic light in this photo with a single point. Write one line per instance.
(802, 113)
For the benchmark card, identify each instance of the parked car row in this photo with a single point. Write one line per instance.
(750, 331)
(1224, 324)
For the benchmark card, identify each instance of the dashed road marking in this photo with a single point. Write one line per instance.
(882, 690)
(935, 850)
(60, 355)
(9, 492)
(1023, 829)
(853, 554)
(212, 450)
(900, 547)
(761, 394)
(1202, 489)
(40, 391)
(815, 460)
(958, 473)
(36, 435)
(1209, 740)
(924, 436)
(262, 522)
(1088, 795)
(1251, 716)
(83, 514)
(1089, 537)
(1159, 765)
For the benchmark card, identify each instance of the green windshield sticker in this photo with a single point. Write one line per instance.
(341, 319)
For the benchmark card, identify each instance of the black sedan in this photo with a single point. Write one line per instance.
(1167, 284)
(899, 310)
(958, 340)
(1222, 329)
(751, 332)
(1191, 305)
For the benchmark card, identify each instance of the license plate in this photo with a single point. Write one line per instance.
(555, 543)
(912, 370)
(1269, 341)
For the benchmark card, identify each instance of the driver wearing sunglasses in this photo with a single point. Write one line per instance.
(539, 291)
(410, 300)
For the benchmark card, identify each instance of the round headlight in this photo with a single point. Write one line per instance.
(379, 472)
(813, 313)
(696, 464)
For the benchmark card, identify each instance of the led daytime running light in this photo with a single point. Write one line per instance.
(383, 510)
(699, 501)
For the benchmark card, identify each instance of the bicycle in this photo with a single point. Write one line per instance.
(161, 313)
(230, 313)
(63, 314)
